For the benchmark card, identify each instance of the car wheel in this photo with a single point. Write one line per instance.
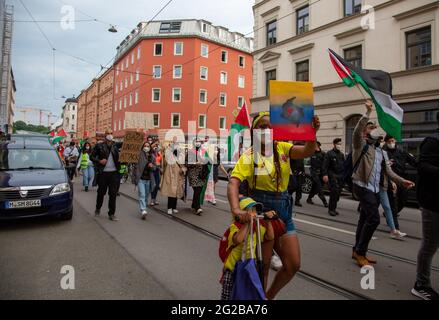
(67, 216)
(307, 185)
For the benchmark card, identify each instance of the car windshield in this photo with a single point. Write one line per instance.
(28, 159)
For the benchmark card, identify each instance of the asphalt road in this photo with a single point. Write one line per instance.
(166, 257)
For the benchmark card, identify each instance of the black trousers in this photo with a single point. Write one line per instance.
(369, 219)
(196, 199)
(108, 181)
(317, 188)
(71, 170)
(299, 182)
(335, 188)
(393, 206)
(172, 203)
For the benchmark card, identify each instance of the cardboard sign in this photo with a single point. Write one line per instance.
(139, 120)
(292, 111)
(132, 143)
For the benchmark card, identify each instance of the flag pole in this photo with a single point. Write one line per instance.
(361, 91)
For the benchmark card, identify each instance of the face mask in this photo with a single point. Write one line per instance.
(374, 134)
(391, 145)
(109, 137)
(338, 147)
(87, 148)
(197, 145)
(146, 149)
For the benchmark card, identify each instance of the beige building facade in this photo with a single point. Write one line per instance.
(397, 36)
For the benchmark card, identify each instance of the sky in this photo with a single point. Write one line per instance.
(32, 55)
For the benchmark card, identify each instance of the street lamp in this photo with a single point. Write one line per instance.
(112, 29)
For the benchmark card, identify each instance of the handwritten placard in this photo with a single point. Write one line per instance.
(132, 143)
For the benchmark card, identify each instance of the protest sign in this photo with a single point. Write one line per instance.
(132, 143)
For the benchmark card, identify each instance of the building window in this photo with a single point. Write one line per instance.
(126, 63)
(222, 123)
(175, 117)
(131, 99)
(137, 75)
(271, 32)
(223, 78)
(156, 95)
(136, 97)
(126, 82)
(203, 96)
(120, 104)
(170, 27)
(204, 50)
(429, 116)
(351, 123)
(117, 88)
(132, 58)
(156, 120)
(115, 107)
(73, 108)
(177, 73)
(115, 126)
(269, 75)
(73, 117)
(302, 71)
(202, 121)
(240, 102)
(120, 125)
(178, 48)
(223, 99)
(205, 28)
(419, 48)
(157, 72)
(176, 95)
(138, 53)
(352, 7)
(241, 81)
(124, 102)
(203, 73)
(224, 56)
(302, 20)
(158, 48)
(241, 61)
(354, 56)
(131, 78)
(121, 86)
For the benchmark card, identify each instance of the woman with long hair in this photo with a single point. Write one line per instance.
(144, 177)
(266, 169)
(86, 166)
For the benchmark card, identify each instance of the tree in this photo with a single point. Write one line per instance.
(21, 125)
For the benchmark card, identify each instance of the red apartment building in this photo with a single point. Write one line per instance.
(181, 71)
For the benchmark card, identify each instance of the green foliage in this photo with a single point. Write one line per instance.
(21, 125)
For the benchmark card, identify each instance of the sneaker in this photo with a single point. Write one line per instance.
(426, 293)
(309, 201)
(199, 212)
(174, 211)
(170, 212)
(276, 263)
(97, 212)
(213, 202)
(144, 214)
(397, 235)
(332, 213)
(113, 218)
(152, 204)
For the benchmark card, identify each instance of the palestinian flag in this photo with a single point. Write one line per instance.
(378, 84)
(61, 135)
(242, 122)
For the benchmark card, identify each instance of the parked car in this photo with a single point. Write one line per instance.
(33, 181)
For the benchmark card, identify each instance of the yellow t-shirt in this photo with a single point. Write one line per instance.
(236, 253)
(265, 171)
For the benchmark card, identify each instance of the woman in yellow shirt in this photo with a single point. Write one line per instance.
(266, 168)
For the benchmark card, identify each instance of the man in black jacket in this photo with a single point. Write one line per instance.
(105, 157)
(428, 186)
(333, 174)
(317, 160)
(398, 159)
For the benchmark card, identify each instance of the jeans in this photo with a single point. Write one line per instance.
(144, 187)
(87, 176)
(385, 203)
(107, 181)
(369, 219)
(430, 243)
(154, 192)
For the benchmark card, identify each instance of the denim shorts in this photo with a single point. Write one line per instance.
(281, 203)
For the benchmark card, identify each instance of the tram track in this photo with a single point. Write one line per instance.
(327, 285)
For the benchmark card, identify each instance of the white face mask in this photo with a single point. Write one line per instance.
(87, 148)
(375, 134)
(391, 145)
(109, 137)
(338, 147)
(146, 149)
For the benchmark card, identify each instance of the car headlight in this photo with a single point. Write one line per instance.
(60, 188)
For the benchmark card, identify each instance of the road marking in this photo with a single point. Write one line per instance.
(328, 227)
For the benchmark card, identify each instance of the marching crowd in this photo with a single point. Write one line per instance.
(264, 180)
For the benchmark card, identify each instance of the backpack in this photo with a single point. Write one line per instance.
(223, 249)
(349, 168)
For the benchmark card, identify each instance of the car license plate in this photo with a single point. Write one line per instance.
(23, 204)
